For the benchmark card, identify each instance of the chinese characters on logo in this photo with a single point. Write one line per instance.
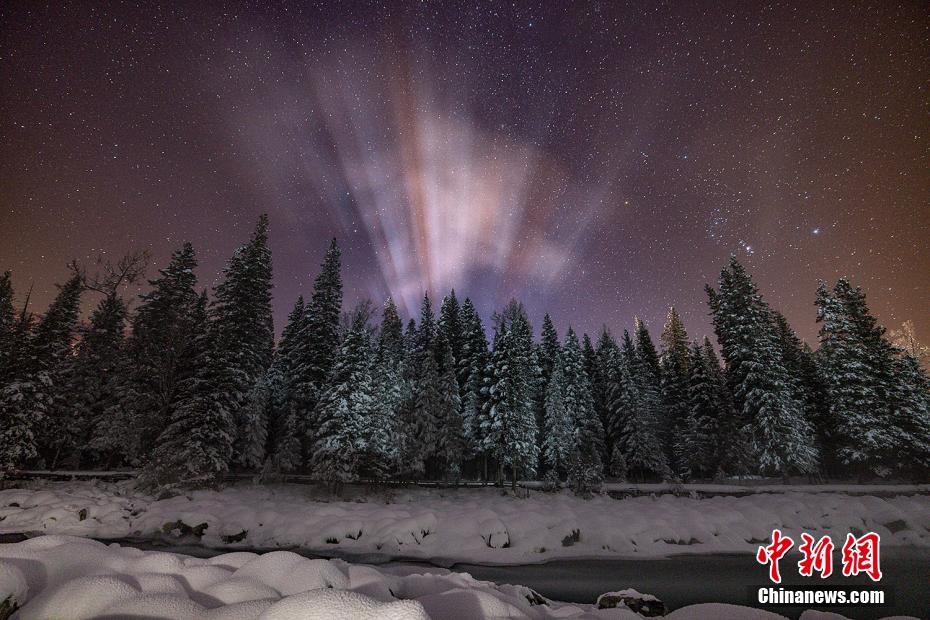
(859, 555)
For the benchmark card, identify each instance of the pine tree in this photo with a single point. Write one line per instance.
(675, 364)
(162, 330)
(875, 409)
(782, 438)
(283, 448)
(450, 325)
(638, 451)
(95, 381)
(473, 379)
(604, 375)
(700, 435)
(589, 356)
(547, 353)
(195, 448)
(509, 427)
(53, 341)
(910, 404)
(450, 424)
(317, 345)
(806, 383)
(100, 364)
(427, 409)
(391, 337)
(426, 330)
(585, 467)
(733, 437)
(32, 398)
(391, 386)
(242, 317)
(559, 424)
(349, 442)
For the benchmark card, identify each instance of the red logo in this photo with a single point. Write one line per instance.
(773, 553)
(817, 557)
(860, 555)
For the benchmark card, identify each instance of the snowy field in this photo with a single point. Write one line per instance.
(481, 526)
(75, 578)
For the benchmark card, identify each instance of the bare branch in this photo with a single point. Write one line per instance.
(126, 272)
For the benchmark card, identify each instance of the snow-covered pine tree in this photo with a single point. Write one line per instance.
(782, 438)
(874, 412)
(733, 436)
(390, 385)
(675, 362)
(559, 435)
(472, 376)
(589, 356)
(95, 386)
(349, 443)
(162, 330)
(585, 467)
(53, 342)
(638, 450)
(450, 325)
(803, 374)
(95, 380)
(32, 395)
(856, 386)
(700, 435)
(601, 385)
(509, 427)
(910, 404)
(547, 353)
(195, 448)
(426, 330)
(647, 372)
(284, 446)
(241, 315)
(317, 345)
(391, 335)
(450, 424)
(423, 428)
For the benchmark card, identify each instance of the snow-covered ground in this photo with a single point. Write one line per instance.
(467, 525)
(51, 577)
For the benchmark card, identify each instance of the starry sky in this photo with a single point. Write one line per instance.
(597, 160)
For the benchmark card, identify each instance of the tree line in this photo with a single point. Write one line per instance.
(187, 387)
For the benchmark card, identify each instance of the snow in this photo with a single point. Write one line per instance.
(77, 578)
(65, 576)
(456, 525)
(721, 611)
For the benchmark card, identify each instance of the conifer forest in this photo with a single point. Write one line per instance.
(187, 385)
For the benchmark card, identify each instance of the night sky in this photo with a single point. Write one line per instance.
(595, 160)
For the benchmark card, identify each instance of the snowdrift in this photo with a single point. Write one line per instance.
(50, 577)
(465, 525)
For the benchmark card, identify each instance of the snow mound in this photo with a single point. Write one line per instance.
(13, 584)
(722, 611)
(341, 605)
(76, 578)
(69, 577)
